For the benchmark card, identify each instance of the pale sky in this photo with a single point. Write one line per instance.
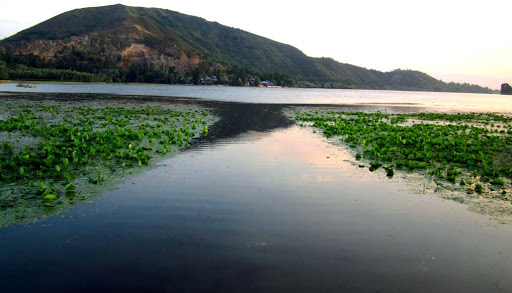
(453, 40)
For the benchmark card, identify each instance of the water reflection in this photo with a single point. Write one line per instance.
(238, 118)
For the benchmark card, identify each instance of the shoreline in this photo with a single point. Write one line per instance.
(496, 92)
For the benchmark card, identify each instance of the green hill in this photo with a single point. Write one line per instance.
(125, 43)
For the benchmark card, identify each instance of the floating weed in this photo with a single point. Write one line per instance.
(101, 178)
(389, 172)
(58, 145)
(498, 181)
(445, 147)
(375, 165)
(70, 187)
(41, 186)
(50, 197)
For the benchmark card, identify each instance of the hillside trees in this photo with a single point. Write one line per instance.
(4, 71)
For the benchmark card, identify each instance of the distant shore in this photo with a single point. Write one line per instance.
(4, 82)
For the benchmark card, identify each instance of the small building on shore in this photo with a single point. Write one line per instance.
(267, 83)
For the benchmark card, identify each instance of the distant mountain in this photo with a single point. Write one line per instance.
(125, 43)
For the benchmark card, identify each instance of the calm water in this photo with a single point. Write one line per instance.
(260, 205)
(440, 101)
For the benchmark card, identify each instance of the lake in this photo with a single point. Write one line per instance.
(262, 205)
(439, 101)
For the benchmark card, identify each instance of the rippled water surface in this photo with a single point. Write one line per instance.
(260, 205)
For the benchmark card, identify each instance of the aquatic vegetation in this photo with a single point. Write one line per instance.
(375, 165)
(389, 171)
(498, 181)
(47, 150)
(473, 149)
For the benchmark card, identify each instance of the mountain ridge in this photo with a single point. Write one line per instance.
(119, 42)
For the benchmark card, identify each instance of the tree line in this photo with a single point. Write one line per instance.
(79, 66)
(82, 68)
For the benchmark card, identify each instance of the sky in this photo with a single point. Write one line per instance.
(462, 41)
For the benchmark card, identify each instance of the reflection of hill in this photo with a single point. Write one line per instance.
(239, 118)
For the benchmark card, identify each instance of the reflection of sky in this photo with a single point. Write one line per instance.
(291, 151)
(271, 163)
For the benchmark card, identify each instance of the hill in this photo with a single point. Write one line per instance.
(122, 43)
